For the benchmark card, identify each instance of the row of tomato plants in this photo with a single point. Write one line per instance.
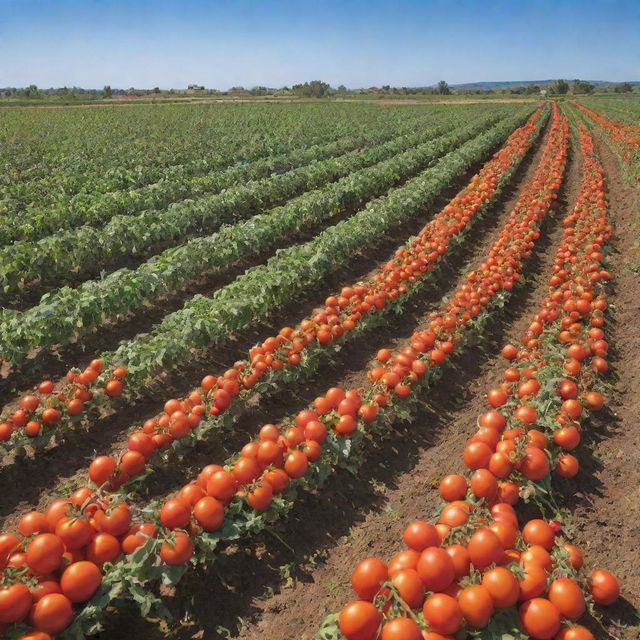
(227, 504)
(625, 135)
(478, 572)
(259, 290)
(96, 209)
(60, 257)
(69, 312)
(70, 154)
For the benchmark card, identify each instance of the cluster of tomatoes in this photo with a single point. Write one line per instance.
(509, 448)
(47, 408)
(499, 272)
(476, 559)
(626, 134)
(456, 575)
(103, 523)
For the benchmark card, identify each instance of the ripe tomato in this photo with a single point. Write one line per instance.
(44, 553)
(453, 487)
(603, 586)
(33, 522)
(476, 605)
(359, 620)
(484, 548)
(539, 532)
(178, 552)
(103, 548)
(175, 514)
(52, 614)
(567, 596)
(419, 535)
(367, 577)
(534, 582)
(435, 568)
(540, 618)
(80, 581)
(442, 613)
(75, 533)
(409, 586)
(502, 585)
(15, 602)
(209, 513)
(400, 629)
(260, 496)
(575, 633)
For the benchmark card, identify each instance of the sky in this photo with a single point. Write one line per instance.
(358, 43)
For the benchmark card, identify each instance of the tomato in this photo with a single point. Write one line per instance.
(367, 577)
(209, 513)
(484, 548)
(179, 552)
(575, 556)
(80, 581)
(245, 470)
(15, 602)
(117, 522)
(401, 629)
(114, 388)
(260, 496)
(567, 596)
(442, 613)
(435, 568)
(575, 633)
(359, 621)
(476, 605)
(133, 462)
(103, 548)
(52, 614)
(175, 514)
(419, 535)
(535, 463)
(101, 469)
(477, 455)
(8, 544)
(296, 464)
(409, 586)
(603, 586)
(222, 486)
(44, 588)
(453, 487)
(540, 618)
(44, 553)
(484, 484)
(536, 554)
(534, 582)
(56, 511)
(75, 533)
(138, 536)
(404, 560)
(539, 532)
(502, 585)
(461, 560)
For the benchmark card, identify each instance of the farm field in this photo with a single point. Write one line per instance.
(320, 370)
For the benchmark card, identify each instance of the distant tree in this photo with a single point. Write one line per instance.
(532, 88)
(31, 91)
(106, 91)
(341, 89)
(580, 86)
(624, 87)
(560, 87)
(156, 89)
(443, 88)
(313, 89)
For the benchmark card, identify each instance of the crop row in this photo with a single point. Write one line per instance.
(96, 209)
(51, 156)
(59, 258)
(626, 137)
(331, 433)
(473, 567)
(250, 297)
(68, 312)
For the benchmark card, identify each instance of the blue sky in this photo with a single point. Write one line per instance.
(220, 43)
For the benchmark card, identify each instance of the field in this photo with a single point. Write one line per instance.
(320, 370)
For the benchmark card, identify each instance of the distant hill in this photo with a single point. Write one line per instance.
(508, 84)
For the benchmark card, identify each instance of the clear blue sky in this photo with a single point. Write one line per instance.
(220, 43)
